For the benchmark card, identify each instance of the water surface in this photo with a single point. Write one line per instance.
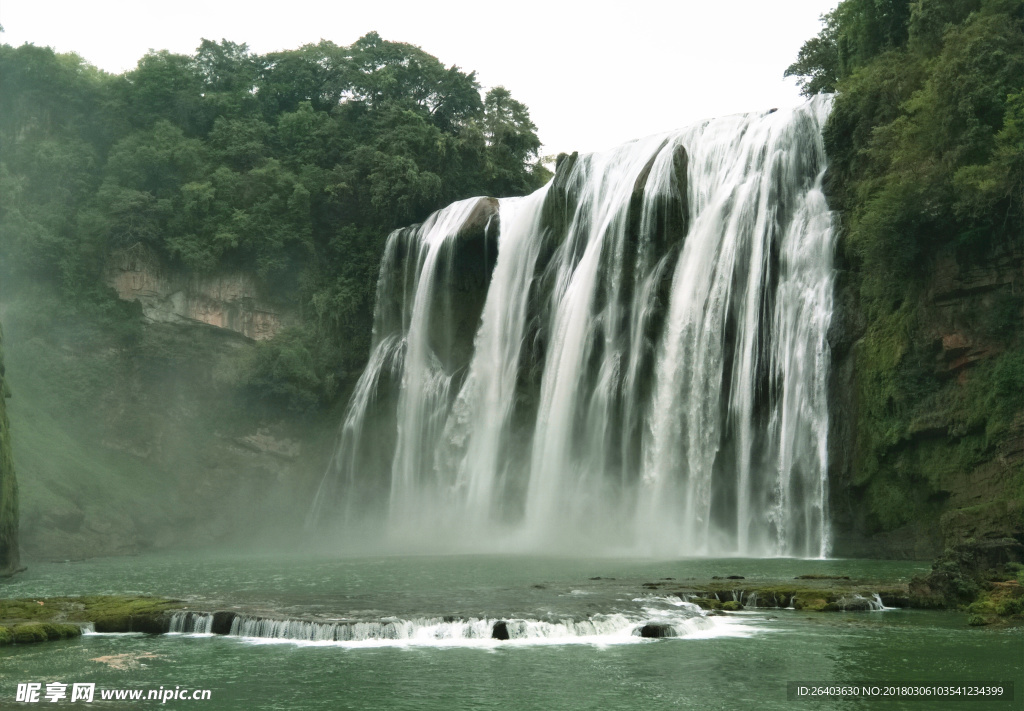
(741, 662)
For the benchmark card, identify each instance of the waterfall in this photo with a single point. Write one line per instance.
(191, 623)
(633, 357)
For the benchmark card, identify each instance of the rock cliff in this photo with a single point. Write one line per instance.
(9, 553)
(125, 445)
(951, 466)
(229, 300)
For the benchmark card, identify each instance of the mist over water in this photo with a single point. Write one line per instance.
(633, 358)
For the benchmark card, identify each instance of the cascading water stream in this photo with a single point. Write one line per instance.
(489, 393)
(642, 365)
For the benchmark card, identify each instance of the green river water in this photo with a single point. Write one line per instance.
(741, 661)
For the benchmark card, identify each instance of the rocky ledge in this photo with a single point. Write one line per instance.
(39, 620)
(815, 593)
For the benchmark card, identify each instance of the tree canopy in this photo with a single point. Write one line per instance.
(292, 165)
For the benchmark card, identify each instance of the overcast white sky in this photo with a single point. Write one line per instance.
(593, 74)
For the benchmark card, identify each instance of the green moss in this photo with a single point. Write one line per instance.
(916, 441)
(813, 604)
(1003, 599)
(30, 620)
(61, 630)
(27, 634)
(41, 632)
(6, 635)
(996, 604)
(107, 612)
(129, 614)
(882, 422)
(731, 606)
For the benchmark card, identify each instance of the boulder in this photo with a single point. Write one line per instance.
(658, 630)
(500, 630)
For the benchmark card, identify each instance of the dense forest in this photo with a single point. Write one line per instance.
(926, 147)
(291, 166)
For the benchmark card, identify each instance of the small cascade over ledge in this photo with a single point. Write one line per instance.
(633, 358)
(655, 619)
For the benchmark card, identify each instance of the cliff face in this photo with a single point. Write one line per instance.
(9, 553)
(229, 300)
(129, 445)
(950, 466)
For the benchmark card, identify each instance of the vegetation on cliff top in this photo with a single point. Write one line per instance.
(926, 147)
(293, 166)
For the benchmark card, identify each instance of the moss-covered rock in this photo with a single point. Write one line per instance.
(998, 602)
(59, 618)
(731, 606)
(813, 604)
(32, 632)
(60, 630)
(961, 573)
(29, 633)
(705, 603)
(137, 614)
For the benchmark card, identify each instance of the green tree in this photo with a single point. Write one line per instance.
(512, 143)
